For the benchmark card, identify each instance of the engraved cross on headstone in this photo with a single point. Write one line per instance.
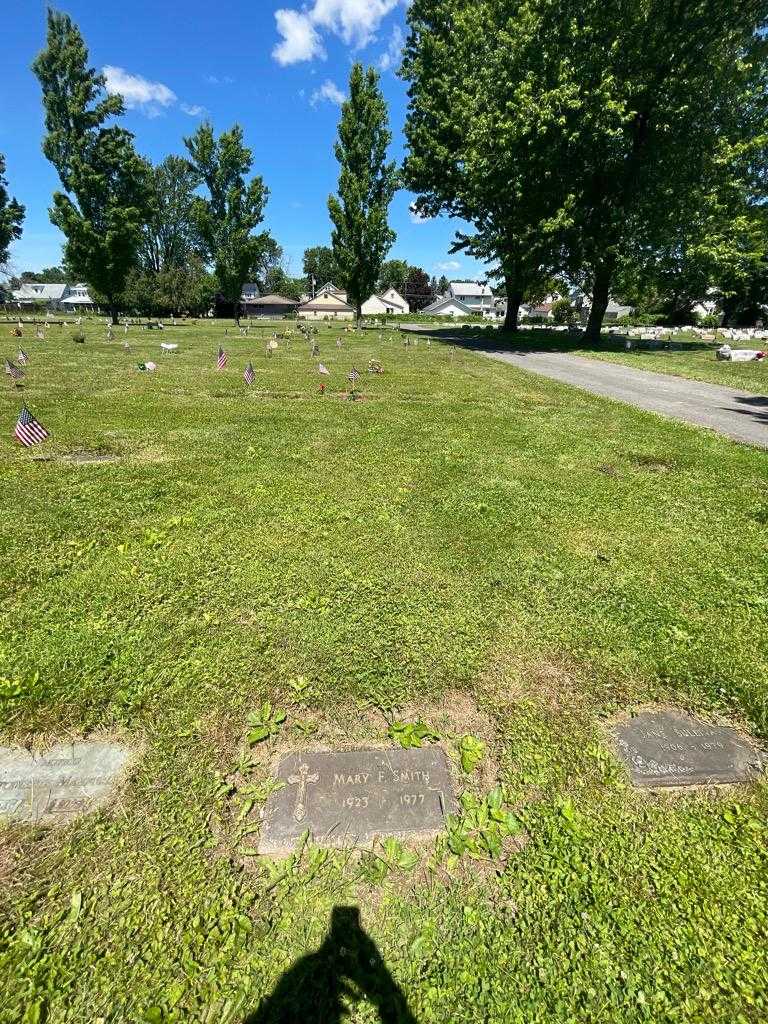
(302, 780)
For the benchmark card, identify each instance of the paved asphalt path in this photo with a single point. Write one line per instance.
(736, 414)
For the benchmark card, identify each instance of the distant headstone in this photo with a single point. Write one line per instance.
(348, 798)
(65, 782)
(670, 748)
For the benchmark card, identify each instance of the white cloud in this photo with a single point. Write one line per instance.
(138, 93)
(193, 109)
(327, 91)
(353, 21)
(448, 265)
(216, 80)
(300, 38)
(391, 56)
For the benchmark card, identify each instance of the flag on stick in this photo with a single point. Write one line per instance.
(221, 361)
(249, 376)
(28, 431)
(22, 357)
(13, 371)
(353, 376)
(322, 368)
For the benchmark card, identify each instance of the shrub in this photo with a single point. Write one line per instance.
(563, 312)
(78, 337)
(710, 320)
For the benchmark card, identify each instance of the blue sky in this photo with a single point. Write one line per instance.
(279, 70)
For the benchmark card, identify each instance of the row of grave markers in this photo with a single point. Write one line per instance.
(348, 798)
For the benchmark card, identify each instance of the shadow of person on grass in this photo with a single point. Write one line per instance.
(347, 967)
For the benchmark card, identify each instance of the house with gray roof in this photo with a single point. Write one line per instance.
(53, 296)
(478, 296)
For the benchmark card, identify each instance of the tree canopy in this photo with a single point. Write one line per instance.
(320, 264)
(170, 237)
(361, 235)
(226, 218)
(579, 139)
(11, 216)
(107, 197)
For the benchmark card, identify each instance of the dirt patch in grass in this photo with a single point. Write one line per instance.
(653, 464)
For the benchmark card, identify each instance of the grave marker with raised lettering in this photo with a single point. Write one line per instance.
(670, 748)
(348, 798)
(65, 782)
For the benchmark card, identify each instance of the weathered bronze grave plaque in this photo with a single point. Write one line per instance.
(670, 748)
(348, 798)
(65, 782)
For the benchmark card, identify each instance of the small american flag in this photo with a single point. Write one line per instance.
(322, 368)
(13, 371)
(221, 361)
(353, 376)
(249, 376)
(22, 357)
(28, 431)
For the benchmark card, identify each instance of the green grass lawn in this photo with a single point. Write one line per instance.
(484, 549)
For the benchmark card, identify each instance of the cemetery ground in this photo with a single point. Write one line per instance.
(510, 562)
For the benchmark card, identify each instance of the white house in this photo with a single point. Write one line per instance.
(326, 305)
(329, 286)
(390, 301)
(77, 297)
(31, 294)
(478, 297)
(448, 306)
(52, 296)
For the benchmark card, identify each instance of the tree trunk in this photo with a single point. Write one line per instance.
(514, 300)
(600, 294)
(113, 313)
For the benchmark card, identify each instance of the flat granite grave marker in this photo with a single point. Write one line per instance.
(52, 788)
(347, 798)
(670, 748)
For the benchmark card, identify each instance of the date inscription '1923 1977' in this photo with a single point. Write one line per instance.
(349, 797)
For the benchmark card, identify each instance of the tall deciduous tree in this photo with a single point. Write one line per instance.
(586, 134)
(107, 197)
(393, 274)
(460, 128)
(320, 264)
(11, 216)
(170, 237)
(225, 221)
(361, 236)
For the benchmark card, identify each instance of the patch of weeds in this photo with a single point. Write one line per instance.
(304, 727)
(391, 855)
(265, 723)
(482, 829)
(412, 734)
(302, 689)
(609, 769)
(471, 752)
